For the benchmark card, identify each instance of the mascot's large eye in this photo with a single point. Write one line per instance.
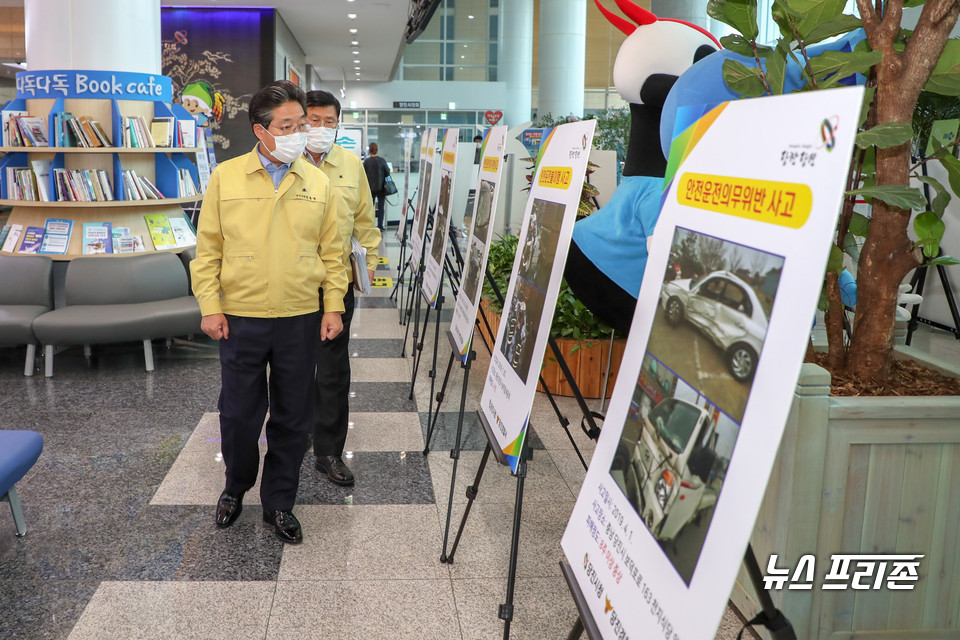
(656, 87)
(703, 51)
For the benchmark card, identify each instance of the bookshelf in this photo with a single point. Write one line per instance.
(160, 165)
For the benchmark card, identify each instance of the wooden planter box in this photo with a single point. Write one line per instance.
(588, 363)
(866, 476)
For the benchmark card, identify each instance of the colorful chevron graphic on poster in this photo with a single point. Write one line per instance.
(693, 122)
(512, 450)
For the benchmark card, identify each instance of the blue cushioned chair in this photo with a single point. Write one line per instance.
(19, 451)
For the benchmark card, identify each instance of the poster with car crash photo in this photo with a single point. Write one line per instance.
(720, 330)
(531, 296)
(422, 212)
(478, 239)
(433, 259)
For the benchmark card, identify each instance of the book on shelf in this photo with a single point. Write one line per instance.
(21, 184)
(136, 133)
(13, 237)
(187, 132)
(150, 189)
(124, 242)
(89, 133)
(41, 169)
(32, 239)
(56, 236)
(162, 131)
(10, 129)
(185, 184)
(82, 185)
(4, 233)
(97, 237)
(158, 224)
(183, 231)
(33, 131)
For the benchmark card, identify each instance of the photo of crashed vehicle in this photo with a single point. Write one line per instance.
(726, 310)
(671, 461)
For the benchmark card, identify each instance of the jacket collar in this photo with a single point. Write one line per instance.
(252, 163)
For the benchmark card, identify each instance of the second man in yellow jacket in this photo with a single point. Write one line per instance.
(356, 220)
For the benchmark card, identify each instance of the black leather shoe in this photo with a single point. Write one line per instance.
(335, 469)
(285, 525)
(229, 507)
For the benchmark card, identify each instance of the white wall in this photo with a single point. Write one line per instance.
(287, 47)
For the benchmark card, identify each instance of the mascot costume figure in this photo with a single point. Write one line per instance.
(609, 248)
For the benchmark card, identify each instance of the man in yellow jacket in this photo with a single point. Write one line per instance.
(267, 241)
(349, 181)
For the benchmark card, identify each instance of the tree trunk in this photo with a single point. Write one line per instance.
(887, 254)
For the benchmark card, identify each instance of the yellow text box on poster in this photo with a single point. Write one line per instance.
(555, 177)
(787, 204)
(490, 163)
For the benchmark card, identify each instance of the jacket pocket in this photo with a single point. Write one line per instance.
(243, 279)
(303, 279)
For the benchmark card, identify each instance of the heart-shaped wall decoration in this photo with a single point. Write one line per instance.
(493, 117)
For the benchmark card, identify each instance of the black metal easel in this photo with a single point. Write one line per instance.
(403, 264)
(412, 289)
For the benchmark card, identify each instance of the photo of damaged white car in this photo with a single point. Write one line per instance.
(726, 310)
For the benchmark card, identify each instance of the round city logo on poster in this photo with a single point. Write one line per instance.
(98, 85)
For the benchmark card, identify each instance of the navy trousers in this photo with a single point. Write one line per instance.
(288, 346)
(331, 407)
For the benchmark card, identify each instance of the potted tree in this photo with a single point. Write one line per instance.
(866, 475)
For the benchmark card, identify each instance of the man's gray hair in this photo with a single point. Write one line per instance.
(264, 101)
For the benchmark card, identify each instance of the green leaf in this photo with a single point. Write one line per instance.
(835, 263)
(913, 3)
(740, 45)
(781, 12)
(943, 260)
(942, 199)
(859, 225)
(823, 304)
(815, 12)
(776, 67)
(842, 23)
(952, 165)
(739, 14)
(843, 63)
(850, 246)
(896, 195)
(883, 136)
(929, 229)
(743, 79)
(945, 78)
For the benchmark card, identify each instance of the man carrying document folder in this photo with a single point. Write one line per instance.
(361, 240)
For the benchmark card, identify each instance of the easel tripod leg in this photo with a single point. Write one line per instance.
(433, 423)
(472, 492)
(455, 455)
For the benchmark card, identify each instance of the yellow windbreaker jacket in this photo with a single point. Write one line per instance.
(265, 253)
(349, 181)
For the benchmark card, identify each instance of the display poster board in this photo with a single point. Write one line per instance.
(407, 148)
(531, 297)
(433, 261)
(722, 322)
(478, 239)
(422, 212)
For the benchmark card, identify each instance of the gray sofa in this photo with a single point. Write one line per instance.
(120, 299)
(26, 292)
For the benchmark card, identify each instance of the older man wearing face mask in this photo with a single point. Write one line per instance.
(268, 239)
(348, 180)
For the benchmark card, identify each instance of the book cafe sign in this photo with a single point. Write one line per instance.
(96, 85)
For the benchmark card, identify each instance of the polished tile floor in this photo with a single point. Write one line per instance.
(121, 540)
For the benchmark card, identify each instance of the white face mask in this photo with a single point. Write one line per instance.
(320, 139)
(288, 147)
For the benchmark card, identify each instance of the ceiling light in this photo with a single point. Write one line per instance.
(355, 42)
(356, 62)
(353, 30)
(356, 53)
(462, 57)
(357, 68)
(352, 16)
